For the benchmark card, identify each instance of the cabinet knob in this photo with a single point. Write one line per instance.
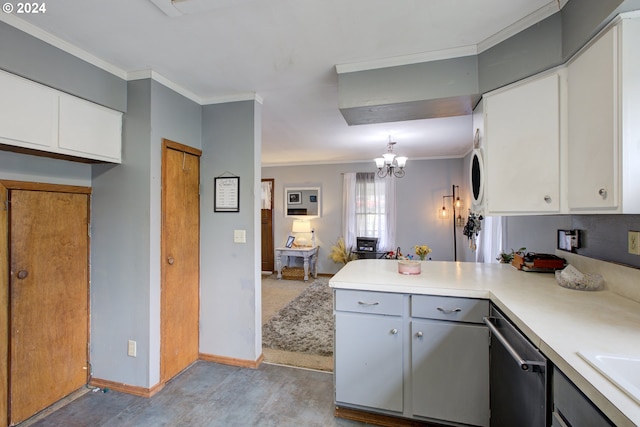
(419, 334)
(394, 331)
(547, 199)
(170, 260)
(603, 193)
(22, 274)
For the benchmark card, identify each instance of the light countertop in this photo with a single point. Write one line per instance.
(559, 321)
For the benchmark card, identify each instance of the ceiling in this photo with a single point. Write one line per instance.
(284, 53)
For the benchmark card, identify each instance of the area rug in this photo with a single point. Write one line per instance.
(305, 325)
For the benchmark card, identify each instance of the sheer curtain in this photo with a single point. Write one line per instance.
(369, 209)
(490, 239)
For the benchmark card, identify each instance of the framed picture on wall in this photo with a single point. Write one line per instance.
(226, 197)
(295, 198)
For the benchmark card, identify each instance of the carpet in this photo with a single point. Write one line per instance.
(305, 325)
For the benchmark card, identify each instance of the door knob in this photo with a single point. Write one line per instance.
(22, 274)
(170, 260)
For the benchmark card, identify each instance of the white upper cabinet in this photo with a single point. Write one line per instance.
(28, 113)
(521, 146)
(36, 117)
(604, 129)
(89, 130)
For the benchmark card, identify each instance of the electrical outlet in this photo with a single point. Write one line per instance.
(131, 348)
(634, 242)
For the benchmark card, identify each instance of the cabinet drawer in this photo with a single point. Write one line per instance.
(449, 308)
(368, 302)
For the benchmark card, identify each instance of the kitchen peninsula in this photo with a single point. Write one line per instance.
(560, 322)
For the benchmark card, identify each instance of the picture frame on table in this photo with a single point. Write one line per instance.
(290, 240)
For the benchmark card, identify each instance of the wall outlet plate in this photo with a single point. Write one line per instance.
(634, 242)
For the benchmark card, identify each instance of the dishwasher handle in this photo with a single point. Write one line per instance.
(525, 365)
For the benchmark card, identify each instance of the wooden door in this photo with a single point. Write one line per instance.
(180, 264)
(48, 296)
(267, 231)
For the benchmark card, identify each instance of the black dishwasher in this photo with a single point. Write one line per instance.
(518, 377)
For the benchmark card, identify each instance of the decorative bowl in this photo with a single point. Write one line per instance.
(572, 278)
(407, 266)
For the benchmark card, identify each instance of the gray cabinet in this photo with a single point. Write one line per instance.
(413, 356)
(450, 359)
(369, 347)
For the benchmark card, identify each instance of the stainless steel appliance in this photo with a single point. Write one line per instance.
(518, 376)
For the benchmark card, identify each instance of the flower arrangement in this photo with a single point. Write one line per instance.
(422, 251)
(340, 254)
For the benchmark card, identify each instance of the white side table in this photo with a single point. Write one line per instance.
(309, 254)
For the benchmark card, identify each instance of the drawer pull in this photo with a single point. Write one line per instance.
(368, 304)
(394, 331)
(449, 311)
(419, 334)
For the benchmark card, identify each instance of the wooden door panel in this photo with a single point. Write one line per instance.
(180, 307)
(266, 230)
(48, 298)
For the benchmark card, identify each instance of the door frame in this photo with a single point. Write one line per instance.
(5, 187)
(172, 145)
(273, 184)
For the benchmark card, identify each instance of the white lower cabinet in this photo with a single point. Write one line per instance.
(412, 356)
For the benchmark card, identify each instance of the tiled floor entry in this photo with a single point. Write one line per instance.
(209, 394)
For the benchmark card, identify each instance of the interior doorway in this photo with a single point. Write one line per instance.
(267, 225)
(180, 259)
(46, 333)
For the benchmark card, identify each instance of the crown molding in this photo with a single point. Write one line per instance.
(524, 23)
(457, 52)
(63, 45)
(398, 61)
(236, 97)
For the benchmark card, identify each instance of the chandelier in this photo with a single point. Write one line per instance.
(389, 164)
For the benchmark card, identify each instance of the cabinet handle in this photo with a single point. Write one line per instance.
(394, 331)
(368, 304)
(547, 199)
(448, 310)
(603, 193)
(419, 334)
(170, 260)
(22, 274)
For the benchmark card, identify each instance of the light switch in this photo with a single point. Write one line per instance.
(239, 236)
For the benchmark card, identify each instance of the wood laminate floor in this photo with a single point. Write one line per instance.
(210, 394)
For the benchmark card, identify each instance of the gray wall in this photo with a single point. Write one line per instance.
(230, 313)
(126, 227)
(36, 60)
(418, 198)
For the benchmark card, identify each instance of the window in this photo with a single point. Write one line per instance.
(369, 209)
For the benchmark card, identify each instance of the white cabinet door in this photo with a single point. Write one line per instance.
(593, 132)
(368, 360)
(28, 113)
(522, 148)
(89, 130)
(450, 371)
